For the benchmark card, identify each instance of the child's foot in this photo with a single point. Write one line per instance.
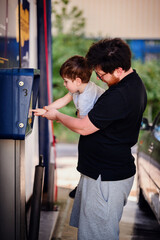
(73, 193)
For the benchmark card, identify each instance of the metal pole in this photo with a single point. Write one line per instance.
(36, 201)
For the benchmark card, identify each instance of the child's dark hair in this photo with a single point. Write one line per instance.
(109, 54)
(76, 66)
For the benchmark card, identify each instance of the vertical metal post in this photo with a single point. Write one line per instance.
(7, 189)
(20, 188)
(12, 189)
(36, 201)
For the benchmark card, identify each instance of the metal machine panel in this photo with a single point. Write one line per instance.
(18, 93)
(7, 189)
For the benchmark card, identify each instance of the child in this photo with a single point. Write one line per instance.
(76, 74)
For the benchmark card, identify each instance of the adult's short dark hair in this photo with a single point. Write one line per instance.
(109, 54)
(76, 66)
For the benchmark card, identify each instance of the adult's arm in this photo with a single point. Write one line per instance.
(82, 126)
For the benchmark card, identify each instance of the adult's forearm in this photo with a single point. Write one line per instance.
(82, 126)
(74, 124)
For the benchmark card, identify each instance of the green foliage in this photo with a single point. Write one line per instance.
(150, 74)
(67, 19)
(65, 46)
(69, 40)
(63, 134)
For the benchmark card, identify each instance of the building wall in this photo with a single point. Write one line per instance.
(129, 19)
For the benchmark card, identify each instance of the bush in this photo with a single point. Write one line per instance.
(150, 75)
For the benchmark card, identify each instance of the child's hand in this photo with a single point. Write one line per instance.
(39, 111)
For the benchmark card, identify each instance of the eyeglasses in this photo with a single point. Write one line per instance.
(100, 77)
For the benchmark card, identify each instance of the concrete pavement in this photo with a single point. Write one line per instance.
(135, 225)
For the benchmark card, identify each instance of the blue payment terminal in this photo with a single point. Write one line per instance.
(18, 94)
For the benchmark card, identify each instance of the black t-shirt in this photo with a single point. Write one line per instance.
(118, 114)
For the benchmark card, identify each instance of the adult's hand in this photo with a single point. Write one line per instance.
(51, 114)
(81, 126)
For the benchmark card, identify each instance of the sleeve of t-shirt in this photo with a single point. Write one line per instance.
(88, 100)
(85, 108)
(109, 107)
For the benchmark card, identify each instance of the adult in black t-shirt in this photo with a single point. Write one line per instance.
(107, 135)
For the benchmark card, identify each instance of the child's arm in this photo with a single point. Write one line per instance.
(59, 103)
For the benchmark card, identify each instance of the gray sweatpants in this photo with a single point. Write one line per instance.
(98, 207)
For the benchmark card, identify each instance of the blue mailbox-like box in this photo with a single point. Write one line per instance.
(18, 94)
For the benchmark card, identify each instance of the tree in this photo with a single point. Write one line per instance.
(67, 20)
(150, 74)
(68, 40)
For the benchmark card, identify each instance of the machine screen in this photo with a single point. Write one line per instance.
(30, 116)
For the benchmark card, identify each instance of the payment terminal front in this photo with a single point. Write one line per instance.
(18, 94)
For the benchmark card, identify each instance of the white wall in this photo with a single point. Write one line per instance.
(129, 19)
